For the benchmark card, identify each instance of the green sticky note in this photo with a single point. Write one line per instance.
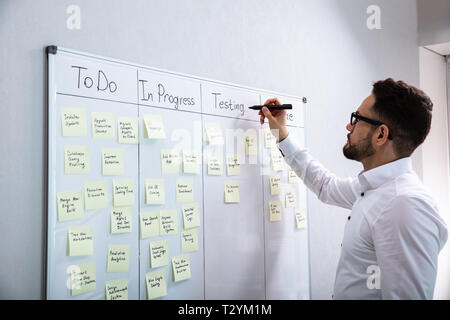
(116, 289)
(82, 278)
(168, 222)
(154, 191)
(154, 127)
(274, 210)
(118, 258)
(189, 240)
(80, 241)
(214, 164)
(70, 206)
(181, 268)
(102, 125)
(128, 130)
(112, 162)
(170, 161)
(275, 184)
(233, 165)
(73, 122)
(300, 219)
(251, 144)
(292, 177)
(276, 160)
(76, 159)
(191, 216)
(214, 133)
(185, 190)
(290, 199)
(191, 161)
(149, 224)
(159, 253)
(95, 195)
(156, 284)
(121, 219)
(123, 192)
(231, 191)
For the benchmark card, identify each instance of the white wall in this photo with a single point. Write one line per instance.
(435, 153)
(433, 21)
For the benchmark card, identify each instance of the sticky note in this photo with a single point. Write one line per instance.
(214, 134)
(80, 241)
(231, 191)
(181, 268)
(154, 127)
(154, 191)
(112, 162)
(118, 258)
(121, 220)
(170, 161)
(73, 122)
(189, 240)
(128, 130)
(102, 125)
(275, 184)
(116, 289)
(251, 144)
(82, 278)
(269, 139)
(168, 222)
(233, 165)
(123, 192)
(191, 161)
(76, 159)
(156, 284)
(70, 206)
(292, 177)
(159, 253)
(214, 164)
(290, 198)
(276, 160)
(95, 195)
(274, 210)
(300, 219)
(191, 216)
(149, 224)
(185, 190)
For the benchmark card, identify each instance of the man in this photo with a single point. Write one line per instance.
(394, 228)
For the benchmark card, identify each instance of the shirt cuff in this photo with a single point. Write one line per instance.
(288, 146)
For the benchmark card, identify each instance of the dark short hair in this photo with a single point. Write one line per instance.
(406, 110)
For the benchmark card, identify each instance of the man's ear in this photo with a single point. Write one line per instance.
(383, 133)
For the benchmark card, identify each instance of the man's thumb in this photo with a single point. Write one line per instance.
(267, 113)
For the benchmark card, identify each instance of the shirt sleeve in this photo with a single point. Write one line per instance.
(327, 187)
(407, 245)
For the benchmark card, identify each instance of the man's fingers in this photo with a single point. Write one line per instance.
(267, 113)
(273, 102)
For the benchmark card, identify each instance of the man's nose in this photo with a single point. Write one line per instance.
(349, 127)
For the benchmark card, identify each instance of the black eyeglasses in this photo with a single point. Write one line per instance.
(355, 117)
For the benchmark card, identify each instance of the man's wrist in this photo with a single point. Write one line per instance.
(282, 135)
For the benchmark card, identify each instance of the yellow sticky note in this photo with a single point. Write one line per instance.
(123, 192)
(214, 164)
(70, 206)
(185, 190)
(290, 198)
(276, 160)
(275, 184)
(189, 240)
(82, 278)
(76, 159)
(269, 139)
(156, 284)
(191, 216)
(231, 191)
(233, 165)
(214, 134)
(116, 289)
(168, 222)
(80, 241)
(159, 253)
(73, 122)
(300, 219)
(95, 195)
(274, 210)
(170, 161)
(102, 125)
(149, 224)
(181, 267)
(128, 130)
(191, 161)
(154, 191)
(121, 220)
(112, 162)
(251, 144)
(292, 177)
(154, 127)
(118, 258)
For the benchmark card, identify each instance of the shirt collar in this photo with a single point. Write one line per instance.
(375, 177)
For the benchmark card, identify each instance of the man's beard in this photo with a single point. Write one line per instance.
(359, 151)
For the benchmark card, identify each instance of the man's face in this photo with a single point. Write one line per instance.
(359, 140)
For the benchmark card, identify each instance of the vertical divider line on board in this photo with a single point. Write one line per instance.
(203, 194)
(261, 150)
(138, 188)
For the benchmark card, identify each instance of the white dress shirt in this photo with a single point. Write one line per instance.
(394, 232)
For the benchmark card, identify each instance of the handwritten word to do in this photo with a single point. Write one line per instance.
(86, 80)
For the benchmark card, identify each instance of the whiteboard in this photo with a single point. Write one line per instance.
(241, 254)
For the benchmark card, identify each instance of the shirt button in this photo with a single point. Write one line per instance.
(341, 244)
(362, 194)
(348, 218)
